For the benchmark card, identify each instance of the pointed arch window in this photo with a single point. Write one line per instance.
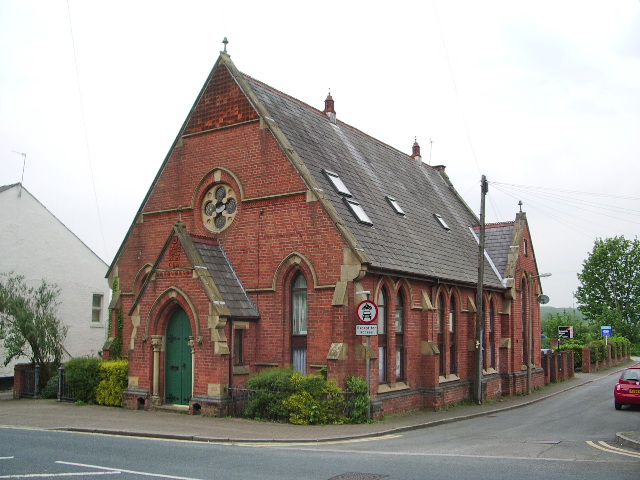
(440, 313)
(400, 357)
(523, 306)
(299, 323)
(382, 336)
(453, 326)
(492, 335)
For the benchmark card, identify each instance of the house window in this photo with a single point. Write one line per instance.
(299, 324)
(453, 321)
(337, 183)
(526, 248)
(400, 337)
(238, 347)
(96, 308)
(382, 336)
(440, 313)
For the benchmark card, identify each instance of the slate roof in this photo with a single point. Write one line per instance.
(235, 296)
(414, 243)
(498, 240)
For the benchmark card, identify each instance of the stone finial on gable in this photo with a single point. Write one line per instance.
(415, 152)
(329, 108)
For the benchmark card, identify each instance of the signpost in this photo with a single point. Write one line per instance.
(367, 312)
(606, 332)
(565, 332)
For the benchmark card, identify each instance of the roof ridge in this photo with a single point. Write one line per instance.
(320, 113)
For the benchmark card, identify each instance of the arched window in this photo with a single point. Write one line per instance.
(492, 335)
(453, 321)
(523, 305)
(400, 359)
(440, 313)
(299, 323)
(382, 336)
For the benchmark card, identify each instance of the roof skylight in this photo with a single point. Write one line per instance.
(442, 222)
(337, 183)
(358, 211)
(396, 206)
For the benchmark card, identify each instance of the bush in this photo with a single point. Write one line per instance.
(273, 385)
(598, 350)
(83, 377)
(114, 375)
(316, 402)
(283, 394)
(576, 348)
(360, 402)
(50, 390)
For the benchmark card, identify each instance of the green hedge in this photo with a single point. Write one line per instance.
(114, 378)
(576, 347)
(286, 395)
(83, 377)
(598, 351)
(93, 380)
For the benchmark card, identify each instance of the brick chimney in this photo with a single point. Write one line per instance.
(329, 109)
(415, 153)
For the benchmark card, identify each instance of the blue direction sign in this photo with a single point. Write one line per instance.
(606, 331)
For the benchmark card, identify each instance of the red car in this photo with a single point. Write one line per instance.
(627, 391)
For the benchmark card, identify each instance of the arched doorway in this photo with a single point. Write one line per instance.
(178, 359)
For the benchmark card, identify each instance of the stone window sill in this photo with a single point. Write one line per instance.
(452, 377)
(385, 388)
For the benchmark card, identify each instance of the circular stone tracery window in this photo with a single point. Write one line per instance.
(219, 208)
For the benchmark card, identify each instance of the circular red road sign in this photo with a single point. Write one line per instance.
(367, 311)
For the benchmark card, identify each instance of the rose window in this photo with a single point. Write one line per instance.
(219, 208)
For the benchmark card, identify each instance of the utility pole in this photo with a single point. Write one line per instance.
(477, 379)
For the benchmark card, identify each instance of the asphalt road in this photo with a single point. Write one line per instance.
(568, 436)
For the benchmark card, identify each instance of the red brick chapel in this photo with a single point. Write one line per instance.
(267, 221)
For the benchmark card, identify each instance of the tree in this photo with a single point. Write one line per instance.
(29, 326)
(610, 285)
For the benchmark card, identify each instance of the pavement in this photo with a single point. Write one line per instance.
(53, 415)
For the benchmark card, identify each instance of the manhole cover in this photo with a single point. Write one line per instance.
(358, 476)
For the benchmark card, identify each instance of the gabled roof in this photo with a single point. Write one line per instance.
(214, 271)
(224, 275)
(416, 243)
(498, 241)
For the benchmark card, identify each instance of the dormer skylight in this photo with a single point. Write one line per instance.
(358, 211)
(396, 206)
(442, 222)
(337, 183)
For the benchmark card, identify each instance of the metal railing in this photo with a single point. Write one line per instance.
(65, 394)
(31, 382)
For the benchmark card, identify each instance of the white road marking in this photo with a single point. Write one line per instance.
(133, 472)
(605, 447)
(328, 442)
(49, 475)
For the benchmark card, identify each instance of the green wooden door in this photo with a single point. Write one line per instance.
(178, 360)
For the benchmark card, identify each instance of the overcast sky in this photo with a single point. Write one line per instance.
(541, 97)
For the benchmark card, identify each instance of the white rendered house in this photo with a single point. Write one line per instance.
(35, 244)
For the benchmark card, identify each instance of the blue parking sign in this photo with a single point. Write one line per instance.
(606, 331)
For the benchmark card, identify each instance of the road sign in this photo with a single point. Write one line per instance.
(367, 311)
(565, 332)
(606, 331)
(367, 330)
